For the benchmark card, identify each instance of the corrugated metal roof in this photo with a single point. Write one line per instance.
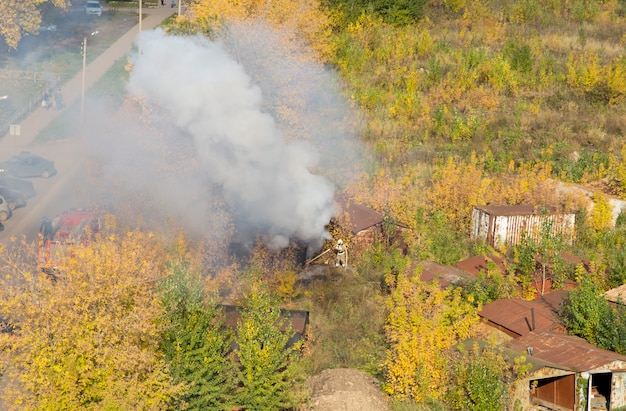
(444, 274)
(474, 265)
(523, 209)
(616, 295)
(552, 301)
(515, 315)
(360, 217)
(510, 356)
(566, 350)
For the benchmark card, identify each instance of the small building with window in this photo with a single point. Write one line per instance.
(578, 376)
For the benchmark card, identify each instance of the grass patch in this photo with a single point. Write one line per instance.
(109, 90)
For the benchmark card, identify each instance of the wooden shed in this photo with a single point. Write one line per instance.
(506, 224)
(362, 226)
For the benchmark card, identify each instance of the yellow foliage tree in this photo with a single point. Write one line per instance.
(304, 19)
(601, 216)
(22, 17)
(423, 322)
(456, 187)
(88, 340)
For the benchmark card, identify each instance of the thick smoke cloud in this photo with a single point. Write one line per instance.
(265, 175)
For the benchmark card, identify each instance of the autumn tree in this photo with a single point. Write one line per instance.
(90, 339)
(303, 21)
(18, 18)
(268, 368)
(394, 12)
(196, 343)
(491, 284)
(587, 314)
(423, 322)
(479, 379)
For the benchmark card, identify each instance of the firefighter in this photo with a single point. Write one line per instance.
(46, 229)
(341, 258)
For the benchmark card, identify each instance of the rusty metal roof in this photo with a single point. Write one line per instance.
(616, 295)
(565, 350)
(474, 265)
(359, 216)
(553, 300)
(513, 210)
(510, 356)
(515, 315)
(444, 274)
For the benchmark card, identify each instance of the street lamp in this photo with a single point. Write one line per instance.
(82, 93)
(140, 6)
(4, 97)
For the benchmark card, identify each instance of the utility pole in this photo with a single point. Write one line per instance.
(140, 14)
(140, 18)
(82, 90)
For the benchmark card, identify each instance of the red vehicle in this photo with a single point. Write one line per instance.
(61, 234)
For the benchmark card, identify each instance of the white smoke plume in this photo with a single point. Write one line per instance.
(265, 176)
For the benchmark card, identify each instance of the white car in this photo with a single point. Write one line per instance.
(93, 7)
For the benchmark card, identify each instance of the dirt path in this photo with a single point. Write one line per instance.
(344, 389)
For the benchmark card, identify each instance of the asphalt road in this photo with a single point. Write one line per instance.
(69, 188)
(55, 194)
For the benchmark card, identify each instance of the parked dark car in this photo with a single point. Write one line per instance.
(27, 165)
(14, 198)
(18, 184)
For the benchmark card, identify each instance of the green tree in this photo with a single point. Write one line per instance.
(490, 285)
(196, 344)
(479, 380)
(584, 309)
(549, 248)
(396, 12)
(18, 18)
(268, 365)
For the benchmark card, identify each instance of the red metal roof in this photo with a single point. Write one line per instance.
(552, 301)
(360, 217)
(566, 350)
(515, 316)
(444, 274)
(474, 265)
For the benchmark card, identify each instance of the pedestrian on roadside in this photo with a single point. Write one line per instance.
(45, 103)
(173, 3)
(162, 2)
(58, 99)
